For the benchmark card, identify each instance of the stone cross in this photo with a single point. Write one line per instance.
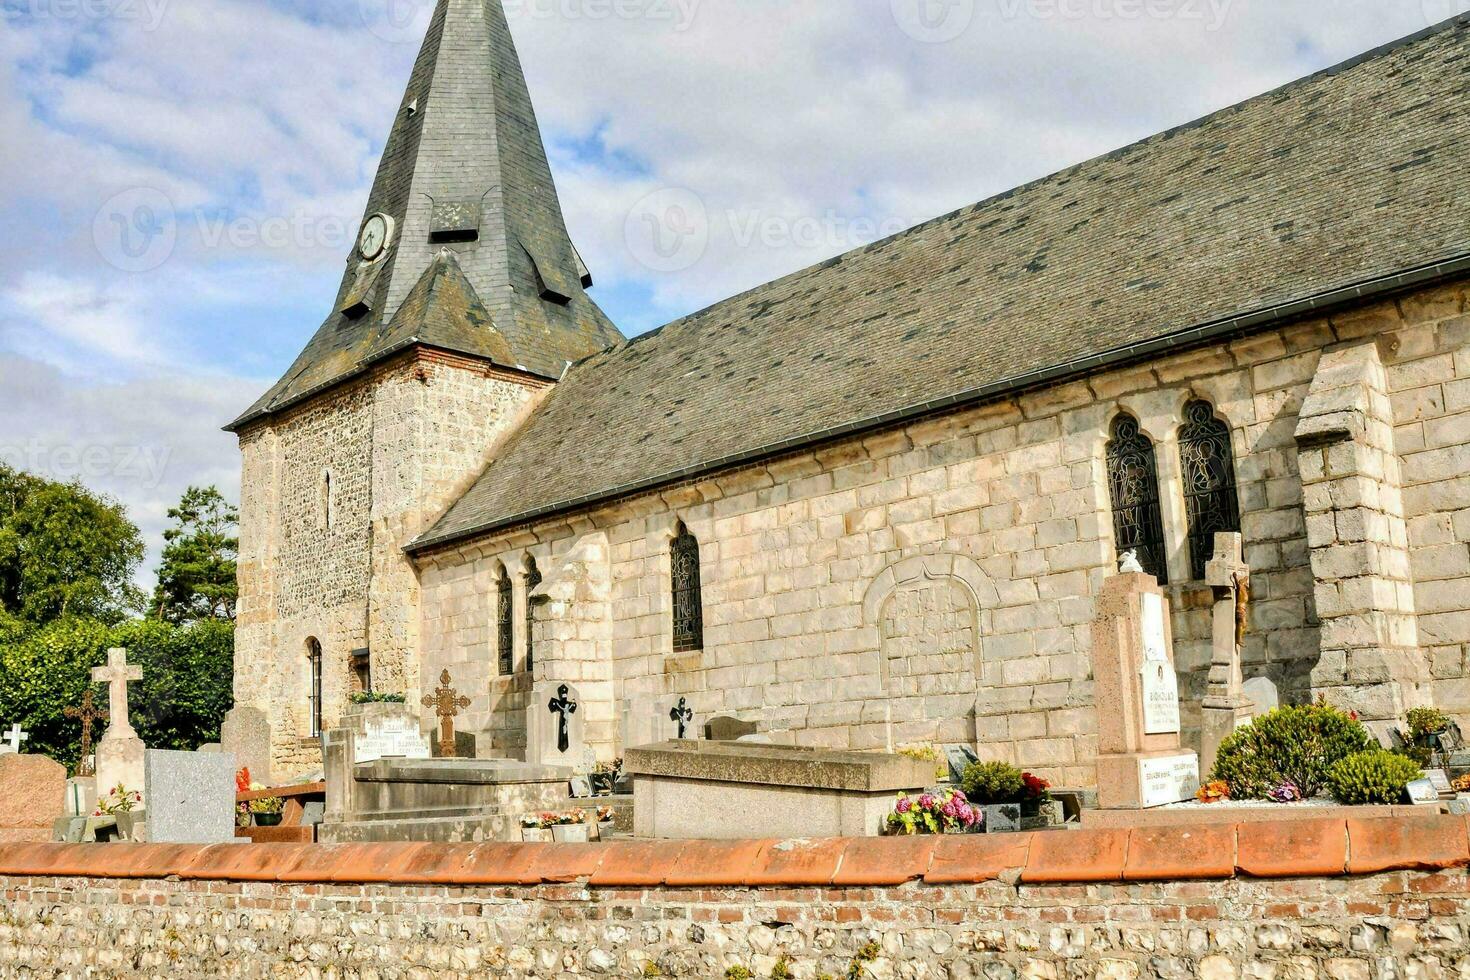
(1225, 706)
(116, 675)
(446, 702)
(87, 713)
(563, 707)
(16, 736)
(682, 715)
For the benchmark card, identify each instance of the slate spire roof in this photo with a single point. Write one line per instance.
(464, 170)
(1348, 183)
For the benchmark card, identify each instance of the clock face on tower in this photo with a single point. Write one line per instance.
(376, 231)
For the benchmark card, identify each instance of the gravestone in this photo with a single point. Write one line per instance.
(958, 757)
(120, 752)
(446, 702)
(649, 721)
(1225, 707)
(1263, 695)
(32, 797)
(246, 735)
(391, 735)
(88, 714)
(726, 729)
(556, 727)
(15, 738)
(191, 797)
(1139, 764)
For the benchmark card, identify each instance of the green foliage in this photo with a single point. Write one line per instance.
(993, 783)
(737, 972)
(373, 697)
(64, 551)
(1373, 777)
(179, 704)
(1424, 722)
(196, 578)
(858, 968)
(1295, 744)
(652, 969)
(782, 970)
(928, 753)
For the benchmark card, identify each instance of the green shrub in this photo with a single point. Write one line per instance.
(1374, 777)
(1295, 744)
(737, 972)
(373, 697)
(1424, 722)
(992, 783)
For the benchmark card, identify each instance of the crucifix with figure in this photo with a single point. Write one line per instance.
(87, 713)
(682, 715)
(563, 707)
(446, 702)
(1225, 706)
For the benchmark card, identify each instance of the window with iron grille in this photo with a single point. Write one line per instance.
(505, 641)
(533, 579)
(1133, 481)
(688, 600)
(314, 664)
(1208, 465)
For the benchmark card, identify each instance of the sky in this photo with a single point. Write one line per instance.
(181, 181)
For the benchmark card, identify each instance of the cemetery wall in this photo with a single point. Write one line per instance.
(331, 492)
(996, 525)
(1350, 900)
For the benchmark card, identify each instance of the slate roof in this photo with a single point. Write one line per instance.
(1351, 175)
(465, 138)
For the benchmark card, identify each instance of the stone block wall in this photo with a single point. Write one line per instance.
(1017, 491)
(1346, 900)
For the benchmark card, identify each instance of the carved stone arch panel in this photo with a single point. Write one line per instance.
(930, 612)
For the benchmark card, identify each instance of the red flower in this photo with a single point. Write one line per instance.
(242, 780)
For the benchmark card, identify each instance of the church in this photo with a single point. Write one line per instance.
(872, 503)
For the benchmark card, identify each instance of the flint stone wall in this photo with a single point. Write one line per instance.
(1021, 907)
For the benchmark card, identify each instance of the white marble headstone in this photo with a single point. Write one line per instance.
(1160, 684)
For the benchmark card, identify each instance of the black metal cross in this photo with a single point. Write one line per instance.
(681, 714)
(563, 707)
(88, 713)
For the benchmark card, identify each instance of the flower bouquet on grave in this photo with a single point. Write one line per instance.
(1214, 792)
(266, 810)
(536, 827)
(1287, 792)
(571, 827)
(944, 812)
(124, 806)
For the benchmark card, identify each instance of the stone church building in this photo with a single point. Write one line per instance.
(873, 501)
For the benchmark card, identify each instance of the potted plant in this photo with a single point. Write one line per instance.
(945, 811)
(267, 811)
(997, 788)
(536, 828)
(1427, 727)
(606, 816)
(571, 828)
(125, 807)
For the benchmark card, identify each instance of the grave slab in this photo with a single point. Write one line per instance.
(32, 797)
(191, 797)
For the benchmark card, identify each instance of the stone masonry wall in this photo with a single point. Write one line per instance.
(396, 445)
(1210, 903)
(1016, 492)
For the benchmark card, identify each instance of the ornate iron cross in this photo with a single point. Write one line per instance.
(563, 707)
(88, 712)
(446, 702)
(682, 715)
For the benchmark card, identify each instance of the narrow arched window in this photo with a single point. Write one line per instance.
(327, 500)
(688, 602)
(1208, 467)
(1133, 481)
(314, 684)
(504, 632)
(533, 579)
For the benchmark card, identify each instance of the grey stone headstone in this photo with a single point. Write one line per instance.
(726, 729)
(246, 737)
(190, 797)
(958, 757)
(312, 814)
(1262, 692)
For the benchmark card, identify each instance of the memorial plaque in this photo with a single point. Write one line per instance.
(1168, 779)
(1160, 685)
(392, 738)
(1441, 781)
(1423, 793)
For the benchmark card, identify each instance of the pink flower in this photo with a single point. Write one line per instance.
(904, 804)
(927, 801)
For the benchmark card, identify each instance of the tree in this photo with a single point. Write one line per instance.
(64, 551)
(196, 579)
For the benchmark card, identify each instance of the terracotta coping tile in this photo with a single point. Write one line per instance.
(46, 860)
(135, 860)
(1076, 857)
(378, 863)
(434, 864)
(880, 861)
(797, 862)
(637, 863)
(562, 864)
(317, 865)
(1291, 848)
(1180, 853)
(244, 862)
(970, 859)
(500, 863)
(1430, 843)
(715, 863)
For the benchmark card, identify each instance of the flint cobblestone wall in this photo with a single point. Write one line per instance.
(954, 909)
(789, 550)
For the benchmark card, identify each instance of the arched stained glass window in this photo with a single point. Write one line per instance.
(1133, 480)
(533, 579)
(688, 600)
(1208, 467)
(505, 640)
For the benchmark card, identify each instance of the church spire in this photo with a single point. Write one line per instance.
(463, 194)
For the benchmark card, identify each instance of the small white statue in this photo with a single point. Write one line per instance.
(1129, 564)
